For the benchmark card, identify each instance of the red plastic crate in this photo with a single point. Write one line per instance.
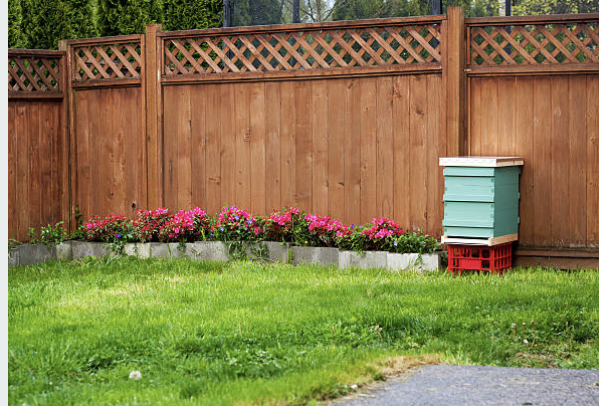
(497, 258)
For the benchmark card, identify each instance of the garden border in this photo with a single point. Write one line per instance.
(30, 254)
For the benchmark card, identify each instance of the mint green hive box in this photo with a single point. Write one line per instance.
(481, 199)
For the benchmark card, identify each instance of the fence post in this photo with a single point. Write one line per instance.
(456, 82)
(153, 98)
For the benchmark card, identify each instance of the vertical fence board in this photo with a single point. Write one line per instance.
(185, 148)
(242, 145)
(506, 103)
(368, 170)
(272, 99)
(47, 137)
(213, 141)
(12, 174)
(288, 144)
(35, 198)
(384, 146)
(22, 184)
(257, 149)
(542, 160)
(198, 145)
(401, 150)
(171, 101)
(227, 152)
(435, 148)
(336, 162)
(418, 144)
(353, 155)
(303, 144)
(524, 127)
(560, 188)
(593, 161)
(320, 145)
(576, 166)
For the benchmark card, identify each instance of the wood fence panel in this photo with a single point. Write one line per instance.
(34, 159)
(548, 121)
(326, 146)
(109, 166)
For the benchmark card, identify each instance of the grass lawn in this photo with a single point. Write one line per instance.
(245, 333)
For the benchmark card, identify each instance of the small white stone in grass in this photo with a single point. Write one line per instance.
(135, 375)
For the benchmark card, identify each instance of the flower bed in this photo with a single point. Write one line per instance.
(286, 236)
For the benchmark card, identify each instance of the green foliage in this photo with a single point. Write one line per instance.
(409, 242)
(535, 7)
(191, 15)
(49, 235)
(123, 17)
(256, 12)
(45, 22)
(241, 332)
(16, 36)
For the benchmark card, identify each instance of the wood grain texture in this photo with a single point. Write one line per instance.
(592, 161)
(550, 121)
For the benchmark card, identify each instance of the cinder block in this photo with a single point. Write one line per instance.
(413, 262)
(315, 255)
(82, 249)
(364, 260)
(273, 251)
(64, 251)
(277, 252)
(207, 251)
(139, 250)
(166, 250)
(30, 254)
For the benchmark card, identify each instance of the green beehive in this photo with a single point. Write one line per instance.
(481, 198)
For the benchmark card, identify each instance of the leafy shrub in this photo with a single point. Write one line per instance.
(280, 226)
(148, 224)
(186, 226)
(313, 230)
(235, 224)
(409, 242)
(109, 229)
(377, 235)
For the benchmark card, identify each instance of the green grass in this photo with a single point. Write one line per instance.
(244, 333)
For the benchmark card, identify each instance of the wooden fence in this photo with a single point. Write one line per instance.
(345, 118)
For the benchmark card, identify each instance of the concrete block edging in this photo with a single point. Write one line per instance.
(266, 251)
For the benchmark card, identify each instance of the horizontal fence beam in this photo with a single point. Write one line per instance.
(277, 28)
(538, 19)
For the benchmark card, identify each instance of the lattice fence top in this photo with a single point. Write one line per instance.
(294, 50)
(29, 73)
(107, 61)
(531, 44)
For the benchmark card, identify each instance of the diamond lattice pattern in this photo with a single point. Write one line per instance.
(534, 44)
(33, 74)
(107, 61)
(324, 49)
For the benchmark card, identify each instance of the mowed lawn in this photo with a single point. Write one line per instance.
(246, 333)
